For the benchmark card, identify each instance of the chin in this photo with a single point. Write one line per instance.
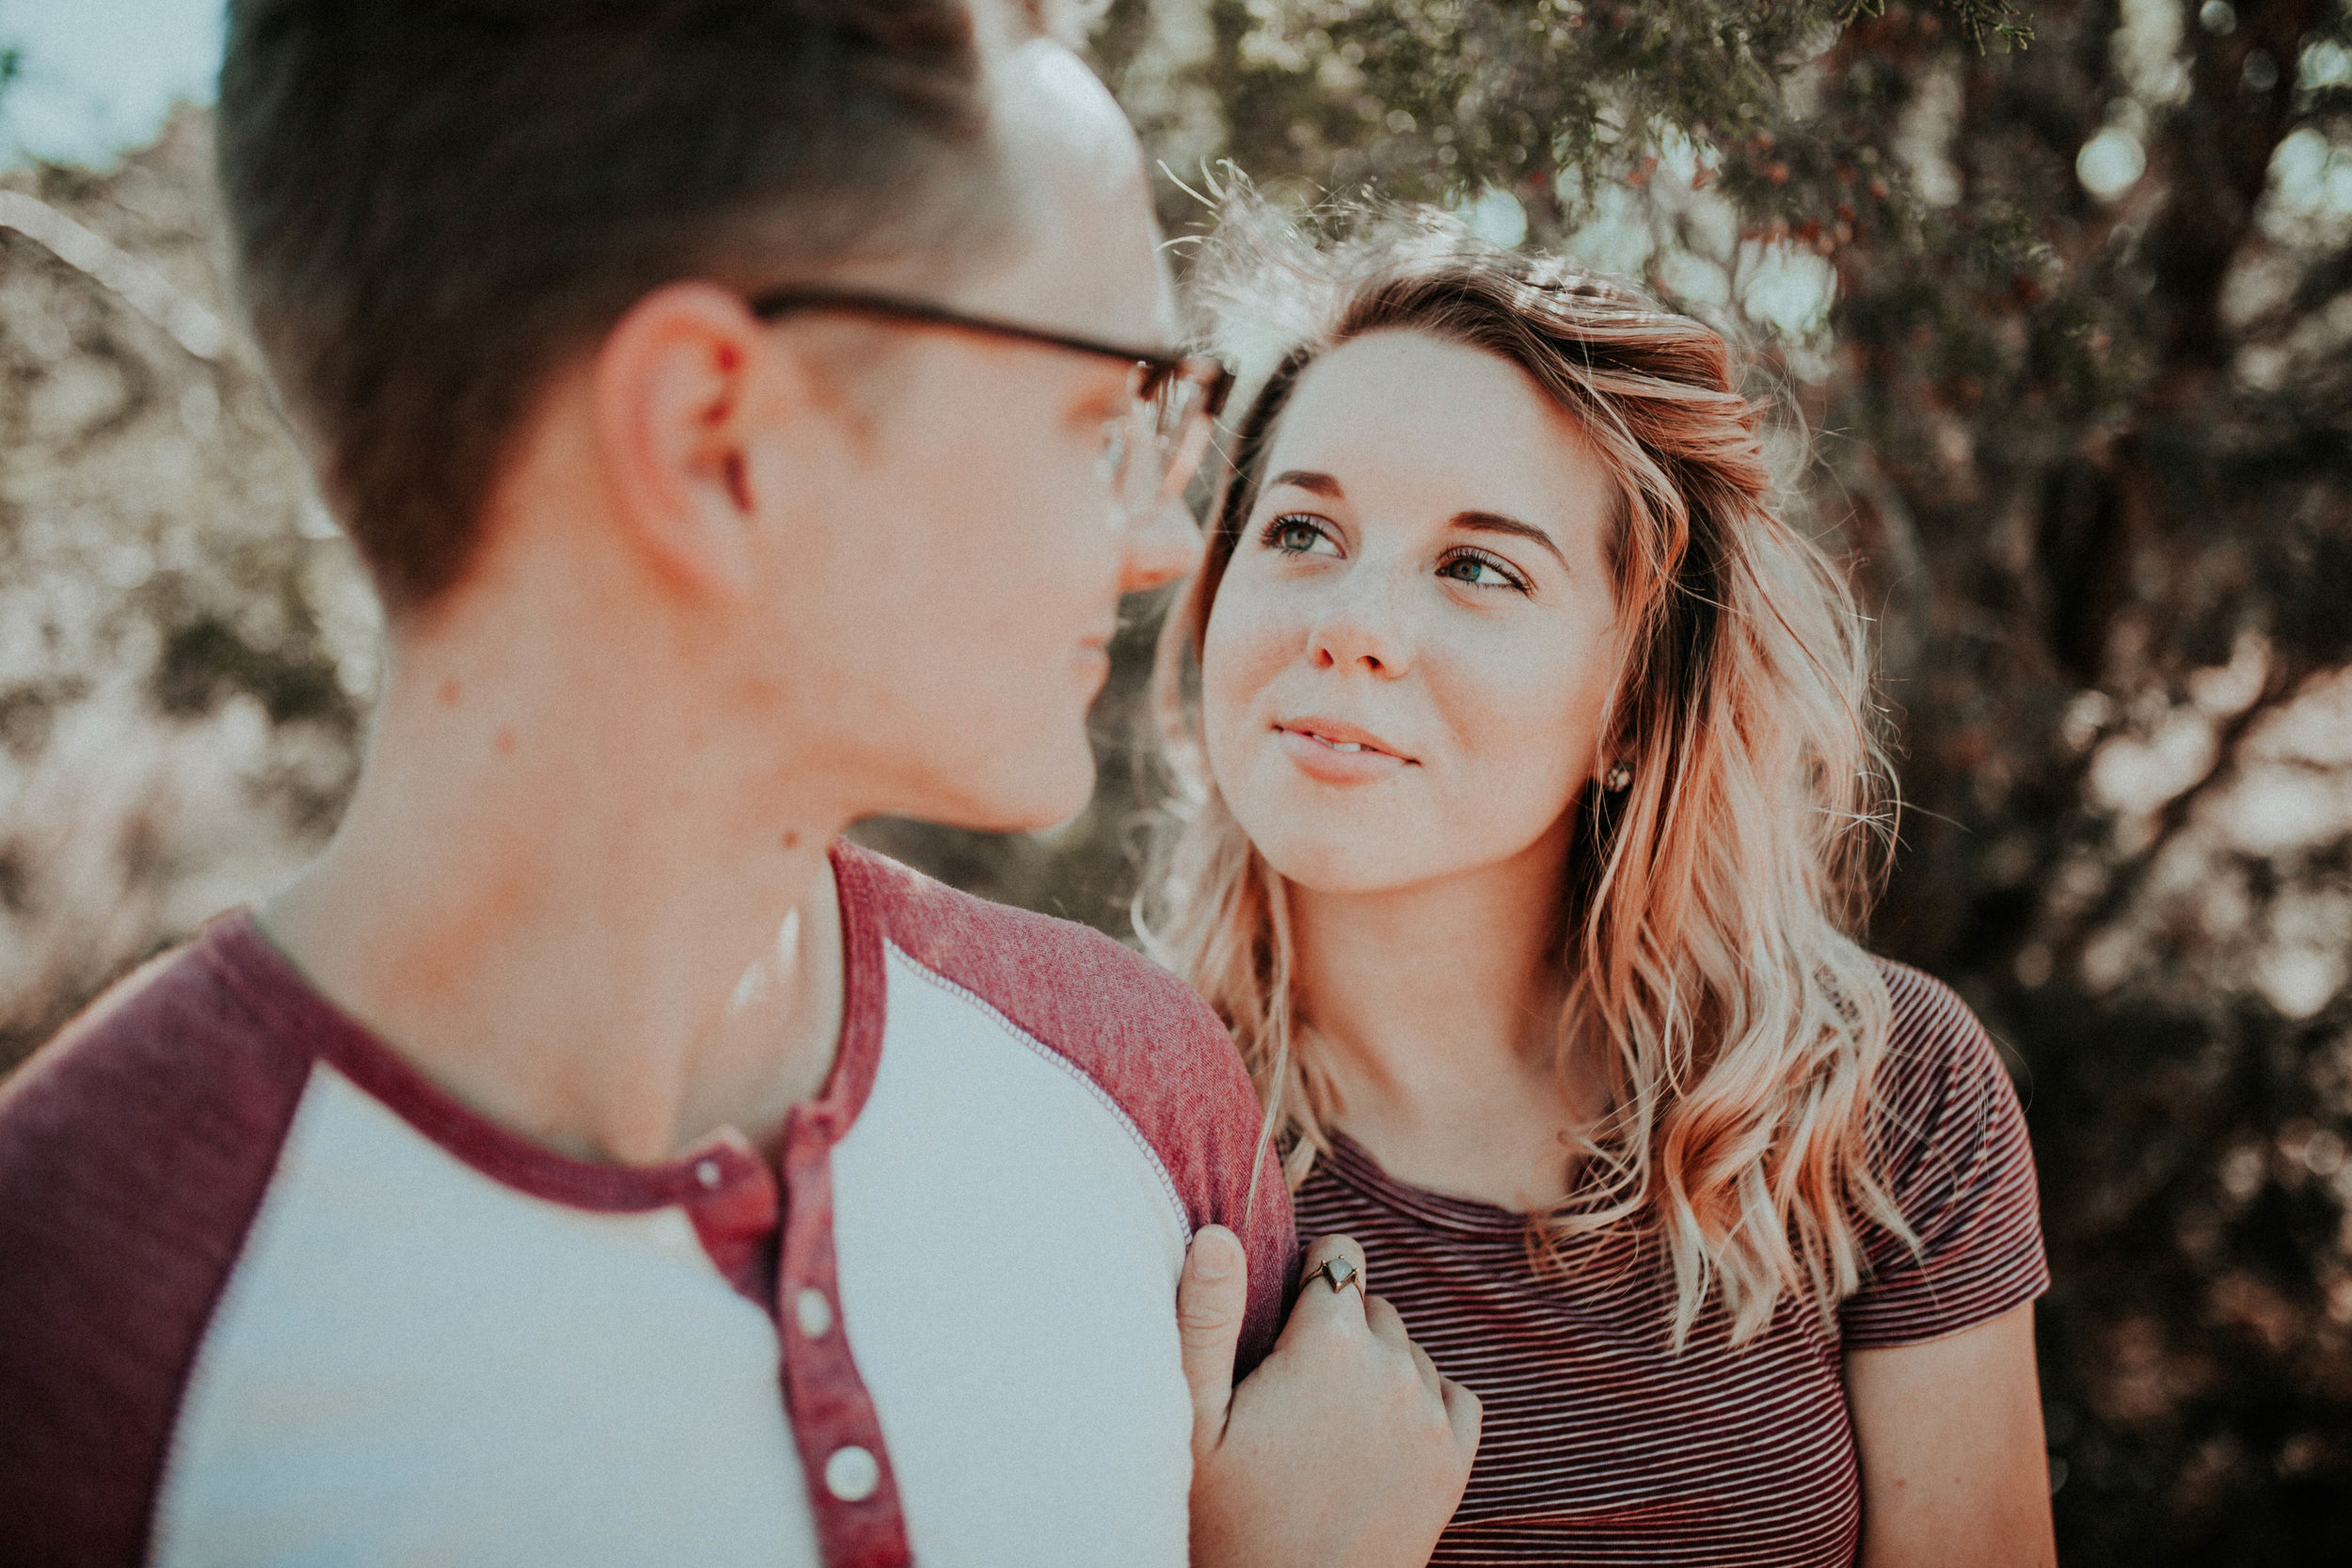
(1323, 862)
(1029, 798)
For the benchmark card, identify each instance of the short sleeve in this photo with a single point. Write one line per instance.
(1143, 1037)
(1950, 1142)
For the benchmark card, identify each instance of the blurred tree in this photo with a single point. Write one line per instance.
(2070, 323)
(187, 648)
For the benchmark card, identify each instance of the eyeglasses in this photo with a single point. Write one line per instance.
(1149, 451)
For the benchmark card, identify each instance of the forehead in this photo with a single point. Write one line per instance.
(1410, 421)
(1084, 254)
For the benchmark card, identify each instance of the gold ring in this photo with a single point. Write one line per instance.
(1338, 1273)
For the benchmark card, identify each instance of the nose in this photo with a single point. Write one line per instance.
(1358, 630)
(1160, 549)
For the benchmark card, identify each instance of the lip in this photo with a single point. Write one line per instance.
(1314, 745)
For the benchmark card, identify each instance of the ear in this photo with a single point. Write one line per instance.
(677, 385)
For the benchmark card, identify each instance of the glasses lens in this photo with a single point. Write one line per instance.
(1150, 455)
(1182, 426)
(1119, 444)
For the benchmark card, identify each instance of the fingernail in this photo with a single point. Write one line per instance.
(1213, 1251)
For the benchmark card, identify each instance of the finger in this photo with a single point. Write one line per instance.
(1211, 1300)
(1324, 1248)
(1386, 1325)
(1388, 1329)
(1426, 1367)
(1463, 1413)
(1315, 1292)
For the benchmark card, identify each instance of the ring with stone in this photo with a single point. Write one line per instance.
(1339, 1274)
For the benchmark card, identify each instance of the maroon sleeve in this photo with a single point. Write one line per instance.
(134, 1152)
(1952, 1149)
(1139, 1033)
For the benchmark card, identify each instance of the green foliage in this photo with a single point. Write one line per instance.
(1978, 20)
(1552, 99)
(2092, 453)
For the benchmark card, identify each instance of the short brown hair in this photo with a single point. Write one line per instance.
(434, 202)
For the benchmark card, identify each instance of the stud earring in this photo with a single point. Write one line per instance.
(1617, 779)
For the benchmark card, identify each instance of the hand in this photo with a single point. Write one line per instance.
(1345, 1449)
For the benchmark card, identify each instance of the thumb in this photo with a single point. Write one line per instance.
(1210, 1302)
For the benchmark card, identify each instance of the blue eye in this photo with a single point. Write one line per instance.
(1481, 570)
(1295, 533)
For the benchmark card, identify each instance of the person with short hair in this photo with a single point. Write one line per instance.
(749, 415)
(1530, 792)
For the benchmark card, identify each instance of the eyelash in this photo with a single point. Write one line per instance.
(1272, 539)
(1510, 578)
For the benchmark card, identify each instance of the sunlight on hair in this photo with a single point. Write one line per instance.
(1711, 956)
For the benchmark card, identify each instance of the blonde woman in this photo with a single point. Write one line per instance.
(1529, 804)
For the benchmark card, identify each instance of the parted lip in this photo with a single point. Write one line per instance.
(1340, 732)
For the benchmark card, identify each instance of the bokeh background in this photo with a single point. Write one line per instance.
(2058, 296)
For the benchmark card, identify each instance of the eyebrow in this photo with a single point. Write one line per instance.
(1495, 522)
(1474, 522)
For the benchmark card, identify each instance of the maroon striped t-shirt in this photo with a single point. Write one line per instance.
(1600, 1445)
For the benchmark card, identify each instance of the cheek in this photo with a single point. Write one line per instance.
(1018, 556)
(1248, 639)
(1525, 728)
(952, 600)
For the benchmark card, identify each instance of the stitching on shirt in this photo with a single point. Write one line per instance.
(1086, 1080)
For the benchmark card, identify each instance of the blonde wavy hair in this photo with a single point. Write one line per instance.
(1708, 944)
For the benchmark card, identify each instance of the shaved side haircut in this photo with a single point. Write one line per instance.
(434, 203)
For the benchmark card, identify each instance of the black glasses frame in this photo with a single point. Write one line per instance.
(1215, 380)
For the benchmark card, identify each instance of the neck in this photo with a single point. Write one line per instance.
(1437, 1006)
(564, 906)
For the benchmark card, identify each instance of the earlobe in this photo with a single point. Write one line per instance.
(674, 386)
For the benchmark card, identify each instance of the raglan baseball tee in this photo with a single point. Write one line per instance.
(268, 1295)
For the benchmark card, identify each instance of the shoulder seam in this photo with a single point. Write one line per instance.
(1085, 1078)
(1083, 937)
(235, 1285)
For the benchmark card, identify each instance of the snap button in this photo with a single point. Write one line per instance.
(812, 1312)
(707, 1172)
(851, 1474)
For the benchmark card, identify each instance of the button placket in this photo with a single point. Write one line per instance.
(851, 1473)
(851, 1488)
(735, 1211)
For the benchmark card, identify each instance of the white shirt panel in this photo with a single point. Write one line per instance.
(1008, 1248)
(414, 1364)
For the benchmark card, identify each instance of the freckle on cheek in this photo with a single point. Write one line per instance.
(449, 693)
(505, 742)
